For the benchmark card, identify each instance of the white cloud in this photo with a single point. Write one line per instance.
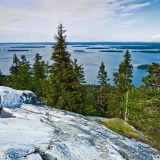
(86, 18)
(156, 37)
(126, 14)
(126, 23)
(135, 6)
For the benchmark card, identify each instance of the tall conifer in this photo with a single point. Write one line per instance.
(20, 77)
(122, 80)
(101, 94)
(78, 69)
(153, 77)
(38, 75)
(64, 90)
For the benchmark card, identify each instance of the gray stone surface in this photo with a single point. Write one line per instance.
(11, 98)
(45, 133)
(37, 133)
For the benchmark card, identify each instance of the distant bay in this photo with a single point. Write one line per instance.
(90, 54)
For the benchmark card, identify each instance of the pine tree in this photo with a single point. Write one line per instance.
(38, 75)
(122, 80)
(78, 69)
(20, 77)
(15, 67)
(102, 75)
(153, 77)
(64, 90)
(24, 73)
(12, 80)
(101, 94)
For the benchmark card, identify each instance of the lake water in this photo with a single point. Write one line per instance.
(88, 54)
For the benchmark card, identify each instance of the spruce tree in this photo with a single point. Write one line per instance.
(12, 80)
(153, 77)
(102, 75)
(64, 90)
(101, 94)
(24, 73)
(122, 80)
(78, 69)
(15, 67)
(20, 77)
(38, 75)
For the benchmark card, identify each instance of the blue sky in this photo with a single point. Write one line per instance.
(84, 20)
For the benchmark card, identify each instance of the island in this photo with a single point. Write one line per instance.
(17, 50)
(143, 66)
(27, 47)
(98, 48)
(111, 51)
(147, 51)
(79, 50)
(80, 46)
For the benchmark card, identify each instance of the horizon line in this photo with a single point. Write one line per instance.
(90, 42)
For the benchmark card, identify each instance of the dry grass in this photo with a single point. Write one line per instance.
(155, 138)
(120, 127)
(124, 129)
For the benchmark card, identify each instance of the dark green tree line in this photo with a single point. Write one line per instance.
(20, 73)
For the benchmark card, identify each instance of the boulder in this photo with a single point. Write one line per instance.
(11, 98)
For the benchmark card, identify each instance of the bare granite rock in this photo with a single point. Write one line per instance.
(11, 98)
(44, 133)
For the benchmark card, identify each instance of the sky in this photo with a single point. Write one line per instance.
(84, 20)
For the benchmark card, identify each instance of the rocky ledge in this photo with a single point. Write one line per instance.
(44, 133)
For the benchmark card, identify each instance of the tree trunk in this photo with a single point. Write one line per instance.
(126, 111)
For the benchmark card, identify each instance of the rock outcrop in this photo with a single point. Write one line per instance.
(44, 133)
(11, 98)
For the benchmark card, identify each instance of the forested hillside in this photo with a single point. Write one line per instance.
(62, 85)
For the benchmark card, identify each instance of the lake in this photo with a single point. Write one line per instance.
(90, 54)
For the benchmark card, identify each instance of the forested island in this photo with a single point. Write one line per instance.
(62, 85)
(110, 51)
(143, 66)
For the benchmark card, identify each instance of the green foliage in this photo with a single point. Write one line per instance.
(102, 92)
(78, 70)
(62, 85)
(64, 89)
(122, 78)
(153, 77)
(114, 108)
(20, 77)
(154, 136)
(102, 75)
(14, 70)
(39, 75)
(120, 128)
(144, 111)
(1, 78)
